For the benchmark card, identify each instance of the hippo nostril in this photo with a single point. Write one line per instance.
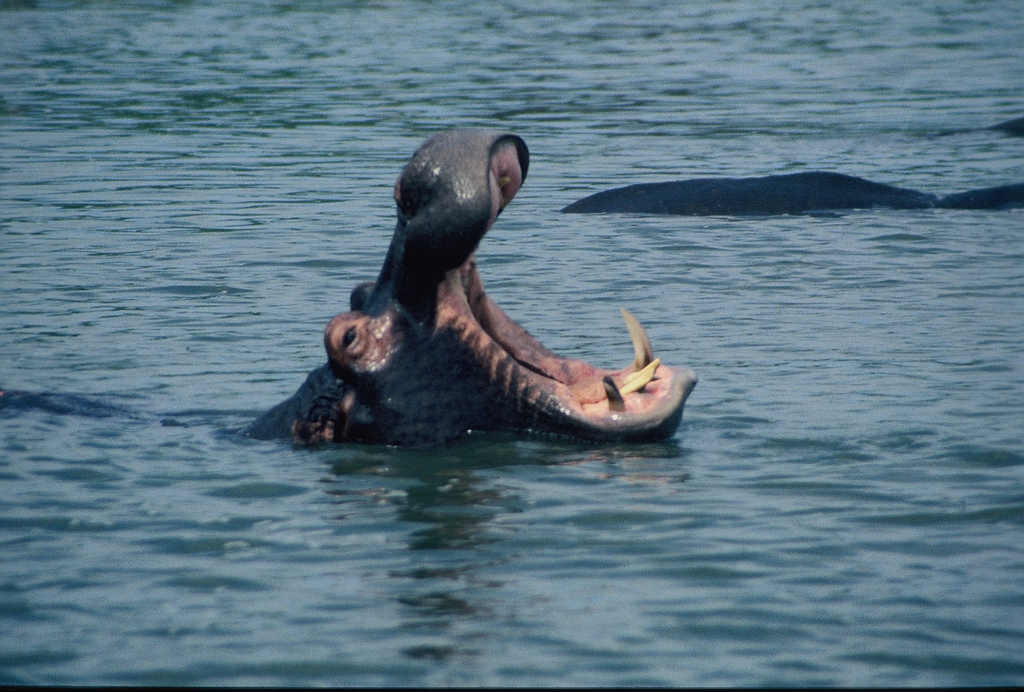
(349, 337)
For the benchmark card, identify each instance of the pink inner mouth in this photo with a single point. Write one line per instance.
(465, 307)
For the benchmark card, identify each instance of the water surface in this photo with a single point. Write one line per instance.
(189, 190)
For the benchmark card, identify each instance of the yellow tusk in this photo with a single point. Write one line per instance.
(504, 180)
(642, 350)
(615, 402)
(635, 381)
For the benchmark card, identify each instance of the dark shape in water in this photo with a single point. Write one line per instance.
(63, 404)
(425, 355)
(1013, 128)
(795, 193)
(1010, 128)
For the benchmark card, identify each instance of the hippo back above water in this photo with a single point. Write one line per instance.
(793, 193)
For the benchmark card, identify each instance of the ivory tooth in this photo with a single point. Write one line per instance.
(635, 381)
(648, 370)
(642, 350)
(615, 402)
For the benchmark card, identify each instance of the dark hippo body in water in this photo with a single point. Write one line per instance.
(1010, 128)
(793, 193)
(1013, 128)
(62, 404)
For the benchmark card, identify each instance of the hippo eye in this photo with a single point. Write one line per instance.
(349, 337)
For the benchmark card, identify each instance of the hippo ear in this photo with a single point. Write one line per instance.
(448, 195)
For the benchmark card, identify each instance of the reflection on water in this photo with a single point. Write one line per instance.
(440, 487)
(443, 493)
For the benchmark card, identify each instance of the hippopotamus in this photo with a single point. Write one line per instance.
(1011, 128)
(795, 193)
(424, 355)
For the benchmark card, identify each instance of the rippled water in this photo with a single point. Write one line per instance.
(189, 190)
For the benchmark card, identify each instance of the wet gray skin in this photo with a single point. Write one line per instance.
(795, 193)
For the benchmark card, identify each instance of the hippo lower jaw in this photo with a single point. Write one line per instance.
(641, 402)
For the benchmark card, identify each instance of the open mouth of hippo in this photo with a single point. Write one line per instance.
(640, 401)
(424, 355)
